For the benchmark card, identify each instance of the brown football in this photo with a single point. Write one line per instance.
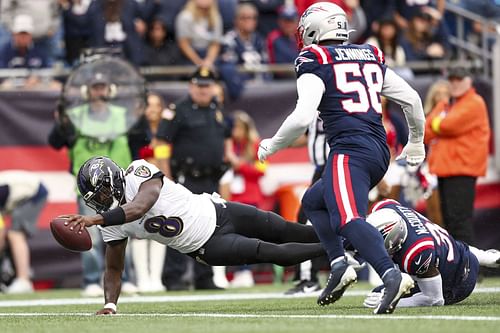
(70, 239)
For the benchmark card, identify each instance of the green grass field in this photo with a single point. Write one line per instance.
(260, 309)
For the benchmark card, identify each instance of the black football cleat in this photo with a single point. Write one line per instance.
(304, 287)
(396, 285)
(342, 275)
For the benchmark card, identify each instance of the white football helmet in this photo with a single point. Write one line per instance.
(322, 21)
(392, 226)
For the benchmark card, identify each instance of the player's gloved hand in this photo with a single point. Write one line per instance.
(413, 152)
(265, 149)
(373, 298)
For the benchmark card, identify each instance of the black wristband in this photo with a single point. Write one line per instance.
(114, 216)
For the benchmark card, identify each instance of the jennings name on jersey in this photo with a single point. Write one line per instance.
(351, 109)
(428, 245)
(179, 219)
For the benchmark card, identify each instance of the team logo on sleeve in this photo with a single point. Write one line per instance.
(424, 266)
(300, 60)
(143, 172)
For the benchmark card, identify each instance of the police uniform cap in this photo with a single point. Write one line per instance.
(203, 76)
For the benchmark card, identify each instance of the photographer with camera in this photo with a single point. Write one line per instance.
(95, 126)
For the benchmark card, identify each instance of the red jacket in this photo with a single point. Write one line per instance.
(251, 172)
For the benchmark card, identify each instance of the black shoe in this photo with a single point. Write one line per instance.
(304, 287)
(396, 284)
(341, 277)
(206, 285)
(177, 286)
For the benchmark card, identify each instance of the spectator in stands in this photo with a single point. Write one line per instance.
(198, 30)
(458, 136)
(422, 41)
(374, 12)
(118, 24)
(96, 127)
(147, 255)
(386, 38)
(76, 28)
(47, 34)
(248, 170)
(142, 136)
(405, 10)
(21, 52)
(268, 14)
(22, 196)
(281, 42)
(160, 49)
(438, 92)
(244, 45)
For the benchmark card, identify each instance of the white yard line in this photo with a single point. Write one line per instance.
(182, 298)
(259, 316)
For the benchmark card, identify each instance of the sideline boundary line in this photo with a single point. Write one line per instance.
(182, 298)
(260, 316)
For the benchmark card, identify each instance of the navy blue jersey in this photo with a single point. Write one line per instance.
(353, 76)
(429, 245)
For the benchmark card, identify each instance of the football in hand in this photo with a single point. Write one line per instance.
(70, 239)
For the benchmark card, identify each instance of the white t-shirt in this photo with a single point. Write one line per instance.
(179, 219)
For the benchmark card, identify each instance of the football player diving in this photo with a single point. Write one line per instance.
(140, 202)
(445, 270)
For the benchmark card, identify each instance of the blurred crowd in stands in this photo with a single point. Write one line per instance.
(222, 34)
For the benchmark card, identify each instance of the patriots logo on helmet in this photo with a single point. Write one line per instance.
(311, 10)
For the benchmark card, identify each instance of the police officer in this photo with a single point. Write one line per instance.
(191, 140)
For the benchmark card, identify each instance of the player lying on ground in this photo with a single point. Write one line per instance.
(142, 203)
(444, 269)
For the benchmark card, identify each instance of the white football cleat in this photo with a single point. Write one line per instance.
(20, 286)
(493, 259)
(93, 290)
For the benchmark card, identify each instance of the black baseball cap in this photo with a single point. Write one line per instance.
(203, 76)
(99, 78)
(458, 72)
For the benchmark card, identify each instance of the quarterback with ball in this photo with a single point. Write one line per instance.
(140, 202)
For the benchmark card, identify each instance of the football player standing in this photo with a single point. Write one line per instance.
(344, 82)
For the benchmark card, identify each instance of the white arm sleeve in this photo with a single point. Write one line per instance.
(431, 293)
(398, 90)
(310, 89)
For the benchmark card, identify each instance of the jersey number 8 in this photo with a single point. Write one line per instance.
(368, 93)
(166, 226)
